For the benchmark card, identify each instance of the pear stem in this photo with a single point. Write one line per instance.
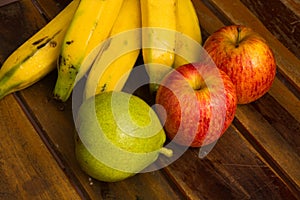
(166, 152)
(237, 42)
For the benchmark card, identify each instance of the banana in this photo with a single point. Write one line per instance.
(188, 38)
(113, 65)
(90, 26)
(158, 38)
(36, 57)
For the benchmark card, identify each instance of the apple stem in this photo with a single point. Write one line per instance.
(167, 152)
(237, 43)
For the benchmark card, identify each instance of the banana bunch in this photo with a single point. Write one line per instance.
(101, 40)
(37, 56)
(171, 31)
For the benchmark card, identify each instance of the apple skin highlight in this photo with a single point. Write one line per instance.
(246, 58)
(186, 95)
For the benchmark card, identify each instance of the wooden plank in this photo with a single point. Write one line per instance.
(281, 120)
(284, 28)
(6, 2)
(36, 173)
(232, 170)
(286, 98)
(47, 8)
(28, 170)
(62, 3)
(293, 5)
(209, 22)
(270, 144)
(238, 13)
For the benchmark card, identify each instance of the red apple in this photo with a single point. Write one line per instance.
(196, 103)
(245, 57)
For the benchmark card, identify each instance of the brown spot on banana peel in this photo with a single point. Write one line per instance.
(49, 40)
(103, 87)
(74, 68)
(53, 44)
(69, 42)
(61, 61)
(39, 41)
(43, 44)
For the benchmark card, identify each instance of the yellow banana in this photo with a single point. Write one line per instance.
(188, 38)
(36, 57)
(158, 38)
(112, 67)
(90, 26)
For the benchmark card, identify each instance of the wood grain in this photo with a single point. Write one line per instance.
(270, 144)
(233, 169)
(257, 158)
(280, 119)
(49, 9)
(6, 2)
(28, 170)
(293, 5)
(286, 29)
(286, 98)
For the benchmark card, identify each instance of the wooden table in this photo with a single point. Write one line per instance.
(257, 158)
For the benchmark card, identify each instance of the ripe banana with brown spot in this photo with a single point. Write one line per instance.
(158, 38)
(188, 38)
(36, 57)
(112, 67)
(90, 26)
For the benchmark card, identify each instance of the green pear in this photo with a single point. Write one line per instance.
(118, 135)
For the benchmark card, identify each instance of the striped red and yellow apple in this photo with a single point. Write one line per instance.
(245, 57)
(196, 103)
